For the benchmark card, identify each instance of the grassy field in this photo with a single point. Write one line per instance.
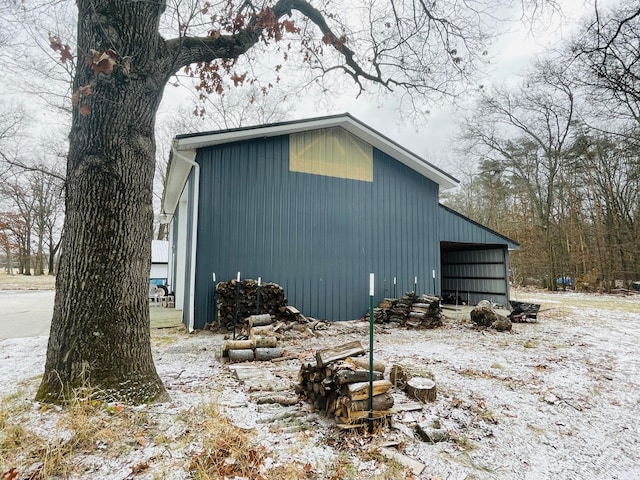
(27, 282)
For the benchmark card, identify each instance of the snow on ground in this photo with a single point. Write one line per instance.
(554, 399)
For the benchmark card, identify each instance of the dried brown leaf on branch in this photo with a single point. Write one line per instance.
(63, 49)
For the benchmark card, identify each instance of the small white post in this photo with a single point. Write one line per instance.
(433, 274)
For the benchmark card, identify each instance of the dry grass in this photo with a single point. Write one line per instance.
(86, 426)
(90, 428)
(26, 282)
(564, 301)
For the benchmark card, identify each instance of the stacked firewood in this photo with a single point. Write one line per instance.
(261, 345)
(425, 312)
(272, 300)
(410, 310)
(400, 310)
(381, 314)
(339, 384)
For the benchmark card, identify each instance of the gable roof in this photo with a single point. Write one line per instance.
(185, 146)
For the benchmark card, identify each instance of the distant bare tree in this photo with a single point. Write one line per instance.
(522, 133)
(606, 57)
(21, 222)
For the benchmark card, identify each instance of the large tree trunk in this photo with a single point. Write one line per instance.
(100, 334)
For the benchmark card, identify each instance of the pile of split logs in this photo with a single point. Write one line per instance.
(261, 345)
(410, 310)
(272, 300)
(339, 384)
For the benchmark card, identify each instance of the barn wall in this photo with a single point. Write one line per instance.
(317, 236)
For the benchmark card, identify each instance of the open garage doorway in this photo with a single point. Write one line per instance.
(473, 272)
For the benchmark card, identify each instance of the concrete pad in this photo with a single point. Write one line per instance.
(25, 313)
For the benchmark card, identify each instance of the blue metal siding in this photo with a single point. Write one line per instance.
(455, 227)
(318, 237)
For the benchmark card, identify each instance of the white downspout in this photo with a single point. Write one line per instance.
(194, 231)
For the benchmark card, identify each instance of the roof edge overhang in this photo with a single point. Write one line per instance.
(192, 142)
(178, 169)
(511, 244)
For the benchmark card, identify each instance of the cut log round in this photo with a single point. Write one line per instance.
(264, 354)
(260, 320)
(363, 363)
(265, 330)
(265, 342)
(380, 402)
(284, 400)
(238, 345)
(423, 389)
(241, 355)
(354, 376)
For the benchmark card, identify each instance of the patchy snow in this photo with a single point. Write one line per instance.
(553, 399)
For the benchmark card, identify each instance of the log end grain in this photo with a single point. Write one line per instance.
(423, 389)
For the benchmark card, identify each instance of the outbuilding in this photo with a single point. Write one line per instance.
(316, 205)
(159, 273)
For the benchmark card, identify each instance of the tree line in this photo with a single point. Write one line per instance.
(31, 212)
(558, 159)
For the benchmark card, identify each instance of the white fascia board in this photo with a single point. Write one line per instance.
(202, 141)
(402, 155)
(347, 122)
(176, 179)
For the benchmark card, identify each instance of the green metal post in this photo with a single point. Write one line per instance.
(235, 313)
(395, 294)
(415, 285)
(215, 302)
(371, 283)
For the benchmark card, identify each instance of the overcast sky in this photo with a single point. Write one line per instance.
(510, 55)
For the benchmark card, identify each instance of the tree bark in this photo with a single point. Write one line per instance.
(100, 334)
